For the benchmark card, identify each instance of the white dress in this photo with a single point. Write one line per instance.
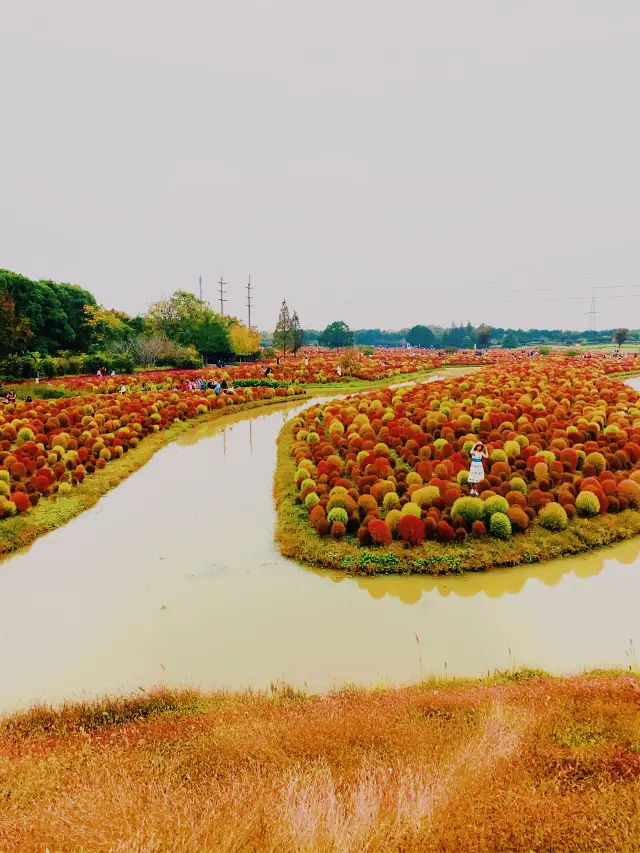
(476, 472)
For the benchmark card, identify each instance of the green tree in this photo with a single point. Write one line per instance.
(189, 321)
(283, 337)
(510, 341)
(297, 333)
(421, 336)
(14, 331)
(336, 334)
(620, 336)
(484, 335)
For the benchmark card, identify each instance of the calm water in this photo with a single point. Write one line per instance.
(174, 577)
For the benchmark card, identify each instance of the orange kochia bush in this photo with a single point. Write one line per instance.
(49, 446)
(554, 428)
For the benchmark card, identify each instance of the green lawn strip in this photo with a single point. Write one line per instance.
(297, 538)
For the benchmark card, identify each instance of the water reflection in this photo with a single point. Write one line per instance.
(494, 584)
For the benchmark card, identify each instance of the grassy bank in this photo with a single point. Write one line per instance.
(53, 512)
(518, 762)
(297, 538)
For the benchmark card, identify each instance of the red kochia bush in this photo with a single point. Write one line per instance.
(445, 531)
(411, 530)
(21, 500)
(478, 529)
(380, 533)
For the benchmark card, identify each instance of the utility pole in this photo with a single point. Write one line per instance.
(222, 293)
(592, 314)
(200, 282)
(249, 300)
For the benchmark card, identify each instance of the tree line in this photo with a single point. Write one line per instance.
(56, 328)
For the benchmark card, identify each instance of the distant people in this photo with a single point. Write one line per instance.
(113, 373)
(278, 360)
(306, 361)
(29, 399)
(37, 378)
(217, 388)
(123, 388)
(476, 471)
(224, 385)
(339, 370)
(211, 384)
(269, 373)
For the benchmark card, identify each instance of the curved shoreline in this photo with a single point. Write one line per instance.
(298, 540)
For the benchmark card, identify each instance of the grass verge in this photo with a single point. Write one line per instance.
(297, 538)
(518, 762)
(50, 513)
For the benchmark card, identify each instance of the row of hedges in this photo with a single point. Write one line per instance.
(30, 365)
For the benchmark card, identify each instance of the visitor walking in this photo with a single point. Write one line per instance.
(476, 471)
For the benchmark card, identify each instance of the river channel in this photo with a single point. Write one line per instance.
(174, 578)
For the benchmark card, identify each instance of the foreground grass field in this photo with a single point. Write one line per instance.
(520, 762)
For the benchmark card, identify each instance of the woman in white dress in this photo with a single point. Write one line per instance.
(476, 472)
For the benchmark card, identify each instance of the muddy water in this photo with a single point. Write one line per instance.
(173, 577)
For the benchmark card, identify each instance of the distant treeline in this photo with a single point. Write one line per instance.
(465, 336)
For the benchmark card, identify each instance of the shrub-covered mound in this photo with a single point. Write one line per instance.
(563, 473)
(49, 447)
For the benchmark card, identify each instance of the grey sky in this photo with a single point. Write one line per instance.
(373, 162)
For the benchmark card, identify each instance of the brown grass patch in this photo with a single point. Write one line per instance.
(508, 764)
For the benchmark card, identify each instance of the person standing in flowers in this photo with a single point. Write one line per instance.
(476, 472)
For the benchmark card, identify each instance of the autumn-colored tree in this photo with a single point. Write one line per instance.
(14, 331)
(620, 336)
(106, 324)
(244, 341)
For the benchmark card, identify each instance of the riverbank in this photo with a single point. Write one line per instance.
(517, 762)
(298, 540)
(52, 512)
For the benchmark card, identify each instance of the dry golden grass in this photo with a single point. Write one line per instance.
(509, 764)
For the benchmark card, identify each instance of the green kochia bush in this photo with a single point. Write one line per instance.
(495, 504)
(553, 517)
(338, 514)
(500, 526)
(587, 504)
(469, 509)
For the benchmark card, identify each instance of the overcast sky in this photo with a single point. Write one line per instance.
(382, 163)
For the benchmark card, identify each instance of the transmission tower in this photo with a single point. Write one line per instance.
(200, 283)
(592, 314)
(249, 300)
(222, 294)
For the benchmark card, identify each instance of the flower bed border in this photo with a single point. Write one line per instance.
(298, 540)
(55, 511)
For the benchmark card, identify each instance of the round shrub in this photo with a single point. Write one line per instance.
(470, 509)
(390, 501)
(518, 485)
(478, 529)
(64, 488)
(5, 489)
(393, 519)
(597, 460)
(499, 525)
(5, 476)
(305, 484)
(21, 501)
(24, 435)
(518, 518)
(380, 533)
(631, 492)
(425, 495)
(411, 530)
(587, 504)
(311, 500)
(495, 504)
(338, 530)
(445, 531)
(411, 509)
(338, 514)
(553, 516)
